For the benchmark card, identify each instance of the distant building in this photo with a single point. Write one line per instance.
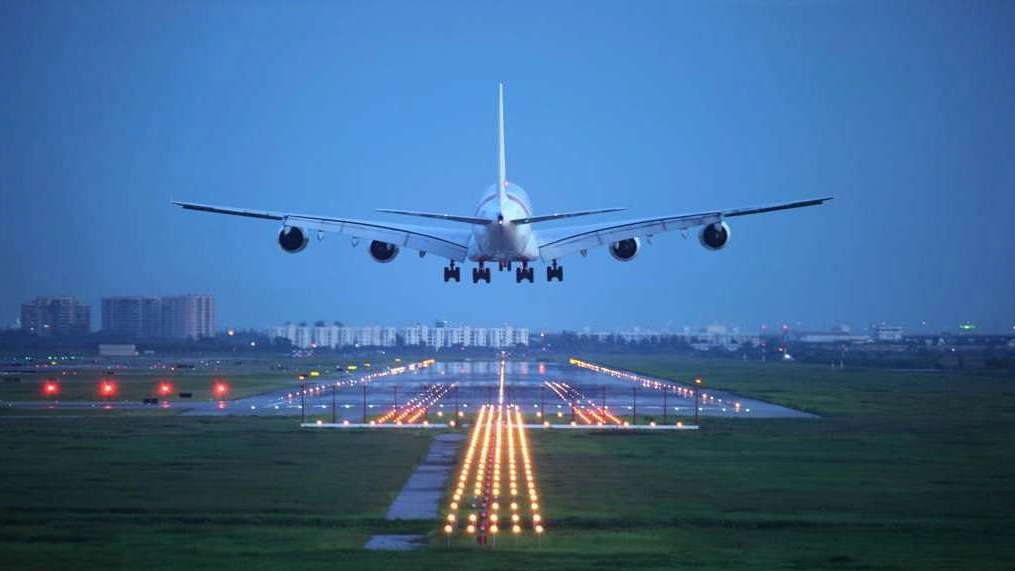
(438, 337)
(711, 337)
(174, 317)
(188, 316)
(117, 350)
(65, 315)
(887, 333)
(133, 317)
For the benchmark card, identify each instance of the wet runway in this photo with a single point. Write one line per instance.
(466, 386)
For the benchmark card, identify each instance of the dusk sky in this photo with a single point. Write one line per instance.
(903, 111)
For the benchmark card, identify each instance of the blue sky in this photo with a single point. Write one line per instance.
(904, 111)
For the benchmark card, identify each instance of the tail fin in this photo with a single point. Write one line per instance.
(501, 161)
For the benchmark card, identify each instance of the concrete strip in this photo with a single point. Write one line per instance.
(421, 494)
(368, 425)
(395, 542)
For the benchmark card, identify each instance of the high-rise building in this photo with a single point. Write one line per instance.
(63, 315)
(133, 317)
(188, 316)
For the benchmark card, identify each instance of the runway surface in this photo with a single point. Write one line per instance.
(447, 387)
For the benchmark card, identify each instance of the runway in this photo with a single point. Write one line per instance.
(528, 384)
(545, 389)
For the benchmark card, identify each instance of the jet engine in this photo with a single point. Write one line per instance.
(625, 250)
(293, 239)
(383, 252)
(714, 236)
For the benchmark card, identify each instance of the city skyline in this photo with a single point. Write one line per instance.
(669, 326)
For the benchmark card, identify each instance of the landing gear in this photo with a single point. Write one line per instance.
(452, 272)
(480, 273)
(554, 271)
(525, 273)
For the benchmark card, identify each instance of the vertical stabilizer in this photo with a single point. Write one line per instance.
(501, 161)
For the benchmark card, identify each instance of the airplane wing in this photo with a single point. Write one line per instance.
(559, 242)
(549, 217)
(450, 243)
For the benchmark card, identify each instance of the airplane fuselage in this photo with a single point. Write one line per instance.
(503, 241)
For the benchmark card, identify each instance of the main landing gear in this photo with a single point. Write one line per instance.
(480, 273)
(453, 272)
(554, 271)
(525, 273)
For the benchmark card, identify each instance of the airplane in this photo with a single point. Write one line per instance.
(503, 229)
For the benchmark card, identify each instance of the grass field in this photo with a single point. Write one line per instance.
(184, 492)
(905, 471)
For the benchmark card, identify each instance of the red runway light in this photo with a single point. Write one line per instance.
(220, 389)
(107, 388)
(50, 388)
(165, 388)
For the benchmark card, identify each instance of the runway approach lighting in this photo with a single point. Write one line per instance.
(50, 388)
(165, 388)
(496, 476)
(107, 389)
(220, 389)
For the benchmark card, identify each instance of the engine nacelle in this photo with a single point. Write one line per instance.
(625, 250)
(714, 236)
(293, 239)
(383, 252)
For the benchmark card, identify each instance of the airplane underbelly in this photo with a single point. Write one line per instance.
(502, 245)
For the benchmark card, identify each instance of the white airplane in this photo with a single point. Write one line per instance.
(501, 230)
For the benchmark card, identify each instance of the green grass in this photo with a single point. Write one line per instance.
(849, 392)
(127, 491)
(904, 471)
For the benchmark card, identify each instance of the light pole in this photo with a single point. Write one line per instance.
(303, 402)
(542, 413)
(334, 418)
(665, 392)
(634, 406)
(697, 392)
